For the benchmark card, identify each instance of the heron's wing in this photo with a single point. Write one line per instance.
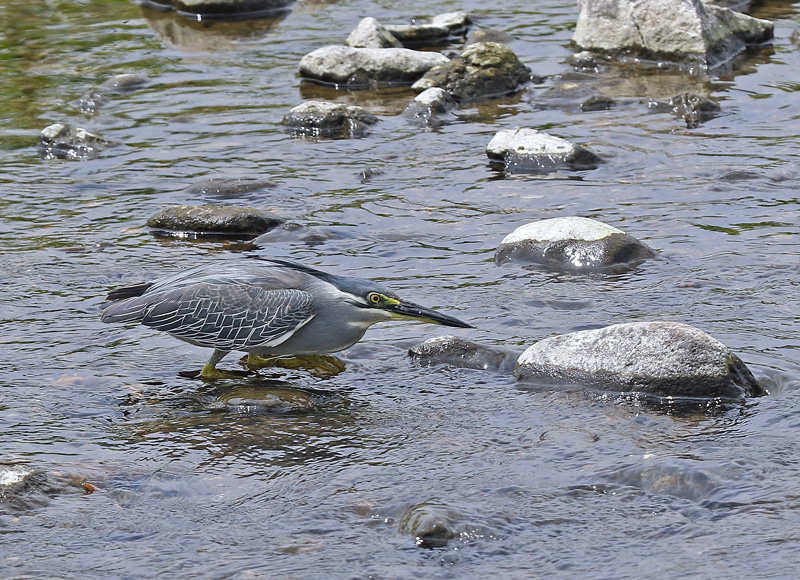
(230, 316)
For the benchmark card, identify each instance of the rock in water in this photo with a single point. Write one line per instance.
(368, 67)
(441, 29)
(662, 359)
(674, 30)
(213, 219)
(372, 34)
(63, 141)
(326, 119)
(483, 70)
(571, 243)
(455, 351)
(532, 151)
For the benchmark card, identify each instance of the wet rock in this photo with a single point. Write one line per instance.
(92, 100)
(23, 487)
(327, 119)
(431, 524)
(63, 141)
(573, 243)
(482, 70)
(673, 30)
(428, 107)
(215, 220)
(455, 351)
(227, 9)
(663, 359)
(125, 83)
(693, 109)
(441, 29)
(368, 67)
(372, 34)
(227, 187)
(529, 150)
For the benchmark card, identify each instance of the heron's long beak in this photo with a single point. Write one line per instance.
(413, 311)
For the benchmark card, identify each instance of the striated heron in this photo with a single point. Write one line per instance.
(266, 308)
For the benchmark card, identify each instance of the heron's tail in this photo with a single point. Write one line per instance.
(124, 305)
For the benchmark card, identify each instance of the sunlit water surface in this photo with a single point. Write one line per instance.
(532, 483)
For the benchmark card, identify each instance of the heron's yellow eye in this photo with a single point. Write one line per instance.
(374, 298)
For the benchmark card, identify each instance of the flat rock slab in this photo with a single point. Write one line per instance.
(64, 141)
(327, 119)
(454, 351)
(368, 67)
(483, 70)
(662, 359)
(672, 30)
(531, 151)
(213, 220)
(440, 29)
(571, 243)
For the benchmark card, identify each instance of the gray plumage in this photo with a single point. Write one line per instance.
(263, 307)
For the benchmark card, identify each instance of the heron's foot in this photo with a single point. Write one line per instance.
(210, 372)
(318, 365)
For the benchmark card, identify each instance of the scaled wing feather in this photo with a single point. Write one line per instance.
(230, 316)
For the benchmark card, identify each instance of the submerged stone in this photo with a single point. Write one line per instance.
(458, 352)
(125, 83)
(673, 30)
(372, 34)
(368, 67)
(64, 141)
(482, 70)
(213, 219)
(327, 119)
(532, 151)
(662, 359)
(693, 109)
(433, 525)
(226, 187)
(573, 243)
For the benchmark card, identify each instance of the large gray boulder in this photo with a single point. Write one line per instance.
(662, 359)
(530, 151)
(368, 67)
(327, 119)
(571, 243)
(675, 30)
(482, 70)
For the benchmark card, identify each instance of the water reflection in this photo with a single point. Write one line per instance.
(208, 35)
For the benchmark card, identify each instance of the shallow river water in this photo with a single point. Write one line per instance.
(185, 483)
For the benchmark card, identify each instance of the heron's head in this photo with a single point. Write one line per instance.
(379, 303)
